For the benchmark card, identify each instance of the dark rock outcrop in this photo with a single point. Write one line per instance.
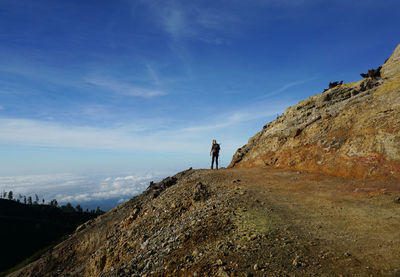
(372, 73)
(334, 84)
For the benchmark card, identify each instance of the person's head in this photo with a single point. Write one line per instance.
(214, 141)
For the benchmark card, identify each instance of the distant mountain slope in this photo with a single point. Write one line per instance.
(350, 130)
(25, 229)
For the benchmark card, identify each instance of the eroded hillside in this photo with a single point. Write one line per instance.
(350, 130)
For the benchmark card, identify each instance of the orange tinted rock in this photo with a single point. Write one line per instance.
(351, 130)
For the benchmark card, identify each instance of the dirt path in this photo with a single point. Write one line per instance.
(332, 225)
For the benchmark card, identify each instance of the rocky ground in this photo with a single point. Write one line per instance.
(239, 222)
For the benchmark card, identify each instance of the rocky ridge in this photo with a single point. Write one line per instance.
(350, 130)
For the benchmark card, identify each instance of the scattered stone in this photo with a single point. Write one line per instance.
(195, 253)
(144, 244)
(157, 188)
(220, 262)
(397, 200)
(271, 161)
(81, 227)
(200, 192)
(222, 273)
(296, 262)
(252, 237)
(346, 254)
(256, 267)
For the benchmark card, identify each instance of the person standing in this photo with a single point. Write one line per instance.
(214, 153)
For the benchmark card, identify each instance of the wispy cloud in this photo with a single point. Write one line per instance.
(286, 87)
(124, 88)
(232, 119)
(194, 21)
(43, 133)
(153, 75)
(1, 107)
(174, 22)
(174, 137)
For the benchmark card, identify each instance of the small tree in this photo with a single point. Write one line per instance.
(30, 200)
(54, 203)
(43, 201)
(98, 211)
(79, 208)
(68, 208)
(24, 199)
(36, 199)
(10, 195)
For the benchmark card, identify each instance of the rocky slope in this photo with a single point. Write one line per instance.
(239, 222)
(349, 130)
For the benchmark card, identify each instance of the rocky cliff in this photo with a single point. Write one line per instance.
(350, 130)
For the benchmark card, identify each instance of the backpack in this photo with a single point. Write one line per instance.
(216, 148)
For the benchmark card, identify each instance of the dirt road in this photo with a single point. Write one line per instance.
(323, 224)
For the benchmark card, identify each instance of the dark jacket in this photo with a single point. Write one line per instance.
(215, 149)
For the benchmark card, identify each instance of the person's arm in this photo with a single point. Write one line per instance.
(211, 148)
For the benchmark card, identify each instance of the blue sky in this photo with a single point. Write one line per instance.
(128, 87)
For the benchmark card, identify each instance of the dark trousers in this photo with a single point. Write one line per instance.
(214, 157)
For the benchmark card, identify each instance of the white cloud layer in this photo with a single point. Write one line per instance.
(78, 188)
